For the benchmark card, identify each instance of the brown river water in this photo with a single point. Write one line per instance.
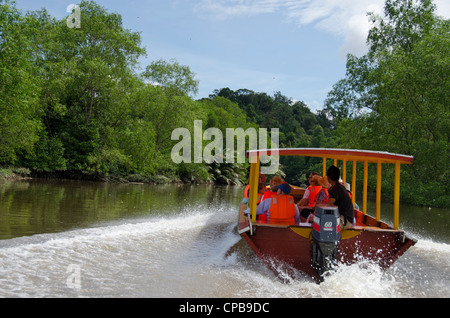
(85, 239)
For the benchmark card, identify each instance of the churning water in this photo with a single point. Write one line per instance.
(183, 250)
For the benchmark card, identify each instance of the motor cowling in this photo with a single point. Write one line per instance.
(326, 235)
(326, 224)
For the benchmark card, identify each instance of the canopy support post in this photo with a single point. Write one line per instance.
(344, 170)
(397, 195)
(354, 183)
(365, 187)
(378, 199)
(254, 184)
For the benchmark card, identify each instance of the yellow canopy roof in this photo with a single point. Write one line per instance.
(339, 154)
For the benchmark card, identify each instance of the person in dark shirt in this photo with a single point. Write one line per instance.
(339, 196)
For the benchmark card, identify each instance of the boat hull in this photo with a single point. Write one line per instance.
(286, 248)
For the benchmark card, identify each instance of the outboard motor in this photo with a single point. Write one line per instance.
(326, 236)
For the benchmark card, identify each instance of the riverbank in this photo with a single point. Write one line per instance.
(410, 195)
(13, 173)
(9, 174)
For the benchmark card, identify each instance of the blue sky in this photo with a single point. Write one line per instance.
(297, 47)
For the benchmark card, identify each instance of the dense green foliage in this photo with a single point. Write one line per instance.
(396, 98)
(20, 111)
(298, 126)
(72, 99)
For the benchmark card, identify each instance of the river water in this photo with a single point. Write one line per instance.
(85, 239)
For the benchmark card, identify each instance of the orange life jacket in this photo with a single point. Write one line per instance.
(313, 192)
(267, 195)
(246, 191)
(282, 209)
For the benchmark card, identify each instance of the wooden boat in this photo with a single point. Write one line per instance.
(291, 246)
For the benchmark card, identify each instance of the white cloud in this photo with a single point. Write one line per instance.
(344, 18)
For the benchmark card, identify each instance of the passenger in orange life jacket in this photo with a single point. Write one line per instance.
(274, 183)
(305, 199)
(261, 190)
(322, 196)
(307, 205)
(280, 208)
(261, 180)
